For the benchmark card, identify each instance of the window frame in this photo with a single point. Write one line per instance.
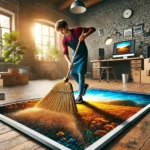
(41, 45)
(1, 36)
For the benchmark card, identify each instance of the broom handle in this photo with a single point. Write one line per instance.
(77, 48)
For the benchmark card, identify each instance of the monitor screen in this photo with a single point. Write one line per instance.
(124, 49)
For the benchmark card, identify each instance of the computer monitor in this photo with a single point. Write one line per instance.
(124, 49)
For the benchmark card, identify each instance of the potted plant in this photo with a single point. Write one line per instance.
(39, 54)
(13, 50)
(54, 53)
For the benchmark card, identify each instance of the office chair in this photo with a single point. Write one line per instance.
(107, 70)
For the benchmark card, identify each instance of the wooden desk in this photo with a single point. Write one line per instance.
(135, 67)
(119, 59)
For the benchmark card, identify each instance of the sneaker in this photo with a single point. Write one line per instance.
(79, 100)
(85, 88)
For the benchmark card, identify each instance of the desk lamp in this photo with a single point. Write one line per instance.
(108, 41)
(77, 7)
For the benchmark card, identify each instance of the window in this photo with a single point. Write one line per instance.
(5, 26)
(44, 38)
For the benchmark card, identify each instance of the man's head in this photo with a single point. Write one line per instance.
(61, 26)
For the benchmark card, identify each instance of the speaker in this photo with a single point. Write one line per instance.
(101, 53)
(146, 51)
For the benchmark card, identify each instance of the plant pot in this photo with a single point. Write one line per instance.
(13, 70)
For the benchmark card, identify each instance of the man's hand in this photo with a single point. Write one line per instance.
(82, 37)
(70, 66)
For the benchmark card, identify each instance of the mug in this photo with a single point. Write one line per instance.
(141, 55)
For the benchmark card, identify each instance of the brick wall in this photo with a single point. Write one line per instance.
(108, 16)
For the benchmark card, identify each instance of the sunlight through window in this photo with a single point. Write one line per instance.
(44, 38)
(5, 26)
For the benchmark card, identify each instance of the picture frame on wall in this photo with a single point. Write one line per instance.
(100, 32)
(128, 34)
(138, 29)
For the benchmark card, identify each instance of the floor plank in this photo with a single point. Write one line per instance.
(13, 142)
(134, 137)
(4, 129)
(41, 148)
(1, 124)
(28, 145)
(8, 135)
(146, 145)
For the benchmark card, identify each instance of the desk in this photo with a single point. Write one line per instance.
(120, 59)
(135, 67)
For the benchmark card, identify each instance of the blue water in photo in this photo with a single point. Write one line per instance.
(107, 95)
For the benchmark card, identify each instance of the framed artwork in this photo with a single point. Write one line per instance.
(100, 32)
(138, 29)
(128, 34)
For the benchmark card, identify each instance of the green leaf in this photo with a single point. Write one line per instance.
(17, 62)
(14, 35)
(1, 43)
(8, 59)
(7, 39)
(6, 53)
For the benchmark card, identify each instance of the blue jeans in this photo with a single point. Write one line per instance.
(80, 79)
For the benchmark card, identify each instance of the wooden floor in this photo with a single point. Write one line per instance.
(137, 137)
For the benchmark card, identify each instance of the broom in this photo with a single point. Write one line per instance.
(61, 97)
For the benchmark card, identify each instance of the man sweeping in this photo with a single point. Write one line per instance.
(79, 66)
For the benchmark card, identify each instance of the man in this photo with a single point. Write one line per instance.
(79, 66)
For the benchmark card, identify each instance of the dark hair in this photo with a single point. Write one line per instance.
(60, 24)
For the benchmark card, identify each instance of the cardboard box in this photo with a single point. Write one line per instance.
(7, 79)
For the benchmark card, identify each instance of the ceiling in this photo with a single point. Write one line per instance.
(65, 4)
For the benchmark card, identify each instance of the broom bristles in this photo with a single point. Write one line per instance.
(60, 99)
